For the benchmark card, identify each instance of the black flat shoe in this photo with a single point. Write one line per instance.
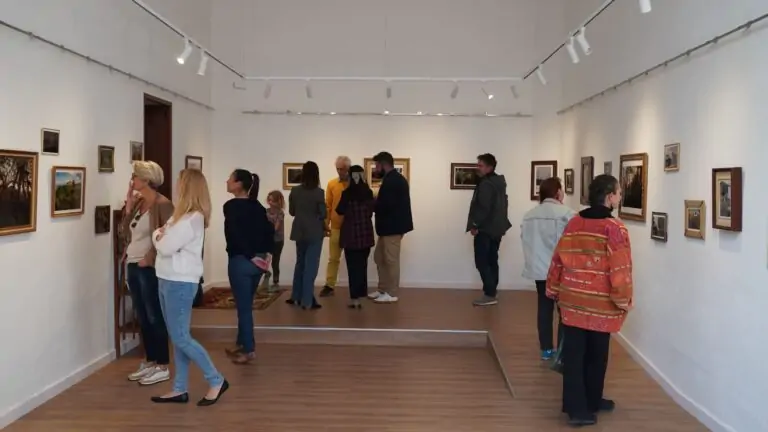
(290, 302)
(182, 398)
(580, 421)
(606, 406)
(208, 402)
(355, 306)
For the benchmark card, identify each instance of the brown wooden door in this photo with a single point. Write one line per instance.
(158, 145)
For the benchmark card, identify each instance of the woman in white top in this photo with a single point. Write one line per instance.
(179, 267)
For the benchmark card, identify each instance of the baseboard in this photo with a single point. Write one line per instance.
(18, 411)
(688, 404)
(437, 285)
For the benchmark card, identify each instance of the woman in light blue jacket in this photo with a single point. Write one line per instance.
(540, 231)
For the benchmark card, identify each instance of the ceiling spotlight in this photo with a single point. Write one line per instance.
(455, 91)
(645, 6)
(540, 74)
(488, 95)
(308, 90)
(582, 39)
(440, 114)
(386, 112)
(513, 89)
(389, 91)
(267, 90)
(185, 54)
(569, 46)
(419, 113)
(333, 112)
(203, 63)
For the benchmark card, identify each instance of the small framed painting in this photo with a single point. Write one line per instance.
(633, 178)
(49, 141)
(103, 217)
(193, 162)
(587, 174)
(402, 165)
(464, 176)
(106, 159)
(137, 151)
(540, 171)
(608, 168)
(695, 213)
(727, 199)
(291, 174)
(659, 226)
(568, 174)
(67, 191)
(672, 157)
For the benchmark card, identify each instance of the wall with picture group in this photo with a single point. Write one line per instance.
(56, 310)
(699, 315)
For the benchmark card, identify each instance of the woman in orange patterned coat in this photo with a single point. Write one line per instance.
(591, 279)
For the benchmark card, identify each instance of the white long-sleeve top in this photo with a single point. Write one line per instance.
(180, 250)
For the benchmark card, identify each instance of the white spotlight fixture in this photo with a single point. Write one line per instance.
(386, 112)
(569, 46)
(515, 94)
(333, 113)
(185, 54)
(267, 90)
(203, 63)
(582, 39)
(488, 95)
(540, 74)
(389, 91)
(645, 6)
(419, 113)
(308, 90)
(455, 91)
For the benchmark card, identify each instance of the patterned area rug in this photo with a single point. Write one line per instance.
(221, 298)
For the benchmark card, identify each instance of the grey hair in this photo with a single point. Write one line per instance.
(150, 172)
(344, 159)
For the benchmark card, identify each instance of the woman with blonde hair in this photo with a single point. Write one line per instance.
(145, 211)
(179, 268)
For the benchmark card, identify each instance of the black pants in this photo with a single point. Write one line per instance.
(545, 317)
(145, 296)
(278, 250)
(487, 262)
(357, 271)
(585, 360)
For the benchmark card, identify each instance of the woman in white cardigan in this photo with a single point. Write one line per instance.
(179, 267)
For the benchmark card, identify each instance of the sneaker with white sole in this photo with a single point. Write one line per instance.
(155, 376)
(144, 369)
(374, 295)
(385, 298)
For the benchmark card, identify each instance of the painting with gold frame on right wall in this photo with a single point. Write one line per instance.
(695, 218)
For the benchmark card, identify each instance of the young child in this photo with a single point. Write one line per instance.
(276, 215)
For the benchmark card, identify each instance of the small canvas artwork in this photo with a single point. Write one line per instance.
(137, 151)
(50, 141)
(18, 192)
(291, 175)
(727, 196)
(608, 168)
(540, 171)
(193, 162)
(587, 174)
(633, 177)
(672, 157)
(67, 191)
(106, 159)
(102, 217)
(695, 214)
(464, 176)
(659, 226)
(568, 174)
(402, 165)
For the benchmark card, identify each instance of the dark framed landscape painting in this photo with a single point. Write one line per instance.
(18, 192)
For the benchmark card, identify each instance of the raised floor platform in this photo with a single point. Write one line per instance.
(337, 369)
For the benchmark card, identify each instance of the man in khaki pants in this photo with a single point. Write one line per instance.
(393, 221)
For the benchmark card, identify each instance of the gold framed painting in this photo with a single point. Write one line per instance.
(291, 174)
(633, 178)
(672, 157)
(402, 165)
(18, 192)
(464, 176)
(695, 217)
(67, 191)
(106, 159)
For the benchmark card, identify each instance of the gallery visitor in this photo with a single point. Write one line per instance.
(145, 211)
(393, 220)
(250, 240)
(306, 203)
(590, 277)
(356, 237)
(179, 268)
(488, 222)
(540, 231)
(276, 215)
(333, 222)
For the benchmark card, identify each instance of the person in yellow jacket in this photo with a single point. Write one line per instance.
(333, 223)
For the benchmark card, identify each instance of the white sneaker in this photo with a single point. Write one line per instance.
(385, 298)
(374, 295)
(155, 376)
(143, 370)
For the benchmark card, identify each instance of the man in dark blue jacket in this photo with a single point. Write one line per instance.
(393, 221)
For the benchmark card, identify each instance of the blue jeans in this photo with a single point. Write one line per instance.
(244, 278)
(307, 264)
(142, 282)
(176, 301)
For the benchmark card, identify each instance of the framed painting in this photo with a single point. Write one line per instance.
(672, 157)
(568, 179)
(727, 199)
(402, 165)
(540, 171)
(291, 174)
(695, 213)
(18, 192)
(106, 159)
(137, 151)
(659, 226)
(67, 191)
(633, 178)
(102, 217)
(193, 162)
(49, 141)
(608, 168)
(464, 176)
(587, 174)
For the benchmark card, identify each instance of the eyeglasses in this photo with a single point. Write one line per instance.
(136, 219)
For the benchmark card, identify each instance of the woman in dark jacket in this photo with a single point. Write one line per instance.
(356, 237)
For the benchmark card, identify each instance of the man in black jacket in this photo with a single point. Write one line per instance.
(393, 221)
(488, 222)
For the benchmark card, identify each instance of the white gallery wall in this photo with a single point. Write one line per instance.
(57, 314)
(699, 315)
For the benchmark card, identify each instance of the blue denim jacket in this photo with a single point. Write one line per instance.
(540, 231)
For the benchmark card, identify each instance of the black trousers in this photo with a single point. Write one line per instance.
(487, 262)
(145, 299)
(276, 252)
(545, 317)
(585, 360)
(357, 271)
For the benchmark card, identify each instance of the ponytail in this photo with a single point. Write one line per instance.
(253, 192)
(250, 182)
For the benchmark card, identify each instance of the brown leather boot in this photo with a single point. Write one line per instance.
(243, 359)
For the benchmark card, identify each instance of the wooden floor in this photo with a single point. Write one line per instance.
(356, 388)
